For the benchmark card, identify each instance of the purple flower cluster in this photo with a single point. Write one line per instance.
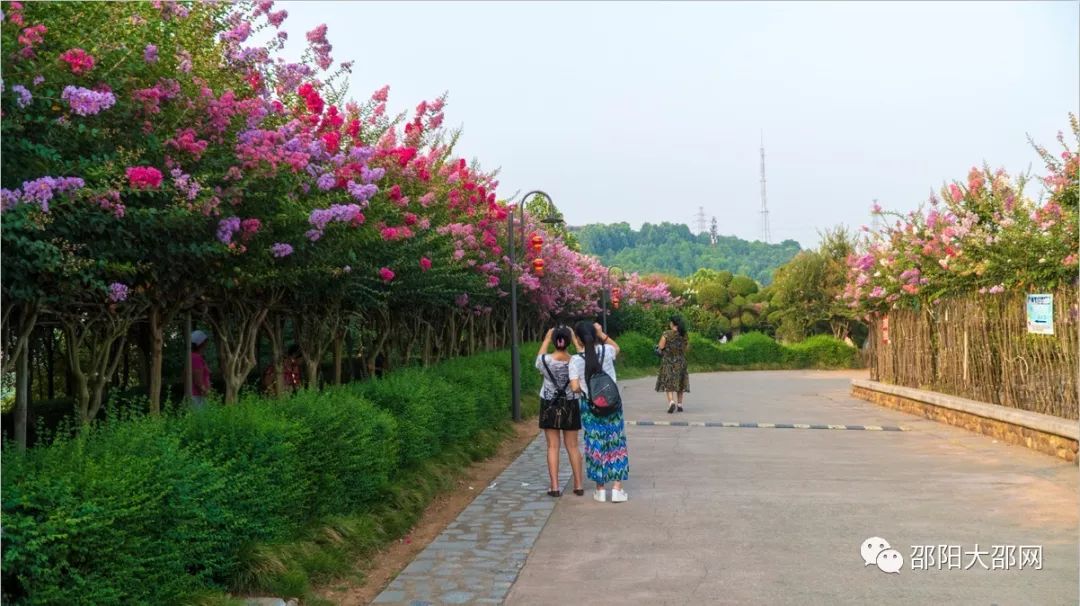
(371, 175)
(281, 249)
(361, 154)
(24, 95)
(326, 181)
(321, 217)
(150, 53)
(185, 184)
(118, 292)
(239, 33)
(86, 102)
(227, 228)
(39, 191)
(362, 193)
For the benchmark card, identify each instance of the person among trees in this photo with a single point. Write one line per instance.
(200, 372)
(674, 377)
(559, 410)
(605, 436)
(290, 370)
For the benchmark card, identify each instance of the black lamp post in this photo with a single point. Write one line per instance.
(607, 289)
(515, 355)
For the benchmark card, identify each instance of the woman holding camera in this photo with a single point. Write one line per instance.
(560, 415)
(674, 377)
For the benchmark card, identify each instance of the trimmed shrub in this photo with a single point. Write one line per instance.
(157, 510)
(636, 351)
(750, 350)
(823, 351)
(754, 348)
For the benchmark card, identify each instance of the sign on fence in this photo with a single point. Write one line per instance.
(1040, 314)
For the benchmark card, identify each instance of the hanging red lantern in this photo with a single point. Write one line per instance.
(616, 296)
(537, 242)
(538, 266)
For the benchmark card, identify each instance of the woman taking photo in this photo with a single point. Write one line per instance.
(605, 437)
(559, 411)
(674, 379)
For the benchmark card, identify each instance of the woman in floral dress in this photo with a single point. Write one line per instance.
(674, 378)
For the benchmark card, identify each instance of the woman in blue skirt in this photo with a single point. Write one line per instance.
(605, 437)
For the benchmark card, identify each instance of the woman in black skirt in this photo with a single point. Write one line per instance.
(559, 411)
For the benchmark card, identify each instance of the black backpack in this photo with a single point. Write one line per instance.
(560, 410)
(604, 398)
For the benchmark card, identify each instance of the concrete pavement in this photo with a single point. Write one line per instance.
(723, 515)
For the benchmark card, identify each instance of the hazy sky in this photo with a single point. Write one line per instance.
(633, 111)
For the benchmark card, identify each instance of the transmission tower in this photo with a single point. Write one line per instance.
(764, 205)
(699, 219)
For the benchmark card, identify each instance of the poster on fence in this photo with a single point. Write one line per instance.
(1040, 314)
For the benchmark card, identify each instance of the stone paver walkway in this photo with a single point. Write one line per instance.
(478, 557)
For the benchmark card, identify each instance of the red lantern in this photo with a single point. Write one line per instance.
(616, 296)
(537, 242)
(538, 266)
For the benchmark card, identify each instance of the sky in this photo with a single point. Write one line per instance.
(644, 112)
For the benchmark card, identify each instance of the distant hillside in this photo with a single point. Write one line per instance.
(672, 249)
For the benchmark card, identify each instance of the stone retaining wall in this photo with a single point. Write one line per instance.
(1046, 434)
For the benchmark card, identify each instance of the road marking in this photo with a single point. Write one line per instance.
(648, 423)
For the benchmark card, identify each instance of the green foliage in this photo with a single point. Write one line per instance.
(636, 350)
(671, 248)
(750, 351)
(806, 292)
(157, 510)
(821, 351)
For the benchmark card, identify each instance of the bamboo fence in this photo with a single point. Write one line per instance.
(978, 347)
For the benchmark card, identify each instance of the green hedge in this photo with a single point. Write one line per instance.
(156, 510)
(752, 350)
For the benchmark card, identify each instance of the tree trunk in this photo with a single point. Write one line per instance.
(338, 345)
(157, 357)
(50, 363)
(275, 331)
(188, 380)
(236, 325)
(18, 322)
(22, 397)
(104, 339)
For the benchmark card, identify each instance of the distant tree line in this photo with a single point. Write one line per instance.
(671, 248)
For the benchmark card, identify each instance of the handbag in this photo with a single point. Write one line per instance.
(558, 411)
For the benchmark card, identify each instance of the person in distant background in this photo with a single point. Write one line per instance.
(200, 372)
(674, 377)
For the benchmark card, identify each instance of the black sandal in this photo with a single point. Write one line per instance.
(671, 408)
(554, 493)
(579, 492)
(678, 409)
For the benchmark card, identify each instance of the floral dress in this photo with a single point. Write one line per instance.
(605, 437)
(673, 372)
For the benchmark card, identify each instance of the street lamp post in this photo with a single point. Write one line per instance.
(606, 289)
(515, 354)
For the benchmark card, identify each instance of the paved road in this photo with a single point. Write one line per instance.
(777, 516)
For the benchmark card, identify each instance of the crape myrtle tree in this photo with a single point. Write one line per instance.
(164, 158)
(983, 235)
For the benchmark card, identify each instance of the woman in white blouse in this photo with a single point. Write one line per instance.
(605, 437)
